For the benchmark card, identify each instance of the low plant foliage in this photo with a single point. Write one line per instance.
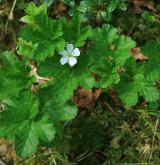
(34, 117)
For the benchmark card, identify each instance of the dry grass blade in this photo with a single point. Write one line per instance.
(154, 136)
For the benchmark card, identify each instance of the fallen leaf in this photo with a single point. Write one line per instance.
(39, 80)
(138, 55)
(86, 98)
(140, 4)
(60, 8)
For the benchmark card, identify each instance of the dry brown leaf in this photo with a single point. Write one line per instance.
(138, 55)
(139, 4)
(86, 98)
(39, 80)
(59, 8)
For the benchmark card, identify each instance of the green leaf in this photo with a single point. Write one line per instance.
(112, 6)
(107, 43)
(74, 32)
(152, 51)
(14, 75)
(122, 6)
(19, 122)
(28, 139)
(107, 72)
(45, 129)
(32, 11)
(15, 114)
(153, 105)
(60, 112)
(26, 48)
(133, 84)
(45, 36)
(67, 78)
(57, 111)
(80, 74)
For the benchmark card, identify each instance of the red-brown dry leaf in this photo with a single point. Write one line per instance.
(86, 98)
(39, 80)
(60, 8)
(138, 55)
(139, 4)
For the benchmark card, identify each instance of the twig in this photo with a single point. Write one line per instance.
(83, 156)
(10, 16)
(110, 108)
(132, 28)
(44, 78)
(154, 135)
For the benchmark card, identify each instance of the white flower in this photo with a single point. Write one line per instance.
(69, 55)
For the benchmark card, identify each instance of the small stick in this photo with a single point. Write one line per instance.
(44, 78)
(10, 16)
(110, 108)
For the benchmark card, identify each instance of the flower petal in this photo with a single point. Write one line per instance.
(63, 53)
(64, 60)
(69, 48)
(75, 52)
(72, 61)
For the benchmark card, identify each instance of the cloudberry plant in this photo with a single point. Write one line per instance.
(96, 57)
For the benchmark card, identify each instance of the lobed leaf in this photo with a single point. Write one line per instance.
(45, 34)
(152, 69)
(133, 83)
(14, 75)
